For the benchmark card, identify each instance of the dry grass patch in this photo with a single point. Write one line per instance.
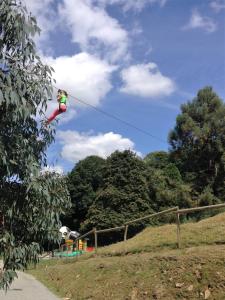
(206, 232)
(175, 274)
(147, 266)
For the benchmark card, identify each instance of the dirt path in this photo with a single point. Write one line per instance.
(26, 287)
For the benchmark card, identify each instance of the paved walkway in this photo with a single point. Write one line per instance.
(26, 287)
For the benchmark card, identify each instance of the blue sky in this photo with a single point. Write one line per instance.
(136, 59)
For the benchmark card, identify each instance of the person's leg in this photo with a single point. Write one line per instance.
(58, 111)
(62, 108)
(53, 115)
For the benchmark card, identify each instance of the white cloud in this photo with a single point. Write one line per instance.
(93, 29)
(84, 76)
(46, 19)
(77, 146)
(37, 6)
(199, 21)
(136, 5)
(217, 5)
(53, 169)
(145, 80)
(137, 29)
(68, 116)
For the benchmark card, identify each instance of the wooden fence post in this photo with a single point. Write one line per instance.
(96, 240)
(178, 230)
(77, 248)
(125, 232)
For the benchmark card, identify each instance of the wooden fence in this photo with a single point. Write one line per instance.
(174, 210)
(191, 210)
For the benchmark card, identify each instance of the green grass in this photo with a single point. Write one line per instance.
(206, 232)
(146, 267)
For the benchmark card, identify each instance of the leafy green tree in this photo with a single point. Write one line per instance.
(166, 187)
(123, 195)
(83, 182)
(30, 202)
(207, 197)
(157, 159)
(198, 143)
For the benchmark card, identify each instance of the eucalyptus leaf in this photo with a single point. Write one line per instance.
(26, 200)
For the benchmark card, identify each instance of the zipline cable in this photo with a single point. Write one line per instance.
(117, 118)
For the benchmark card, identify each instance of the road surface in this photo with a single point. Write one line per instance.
(26, 287)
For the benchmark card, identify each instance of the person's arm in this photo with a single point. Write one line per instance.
(59, 96)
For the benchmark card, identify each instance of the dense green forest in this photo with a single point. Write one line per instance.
(107, 192)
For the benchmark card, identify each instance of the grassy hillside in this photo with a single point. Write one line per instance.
(147, 266)
(206, 232)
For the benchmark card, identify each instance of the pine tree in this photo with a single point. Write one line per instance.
(198, 143)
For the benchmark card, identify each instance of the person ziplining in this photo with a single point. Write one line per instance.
(62, 98)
